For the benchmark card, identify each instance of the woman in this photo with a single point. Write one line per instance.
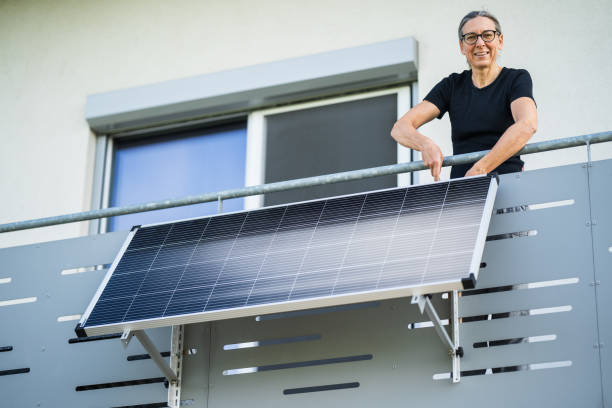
(490, 107)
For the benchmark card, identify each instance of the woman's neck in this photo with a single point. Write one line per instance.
(482, 77)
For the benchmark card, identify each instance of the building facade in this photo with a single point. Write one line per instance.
(57, 56)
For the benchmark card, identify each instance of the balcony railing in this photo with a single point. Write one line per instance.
(219, 196)
(534, 330)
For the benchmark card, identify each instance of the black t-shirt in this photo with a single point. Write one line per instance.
(479, 116)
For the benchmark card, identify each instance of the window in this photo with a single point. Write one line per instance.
(324, 137)
(176, 165)
(300, 140)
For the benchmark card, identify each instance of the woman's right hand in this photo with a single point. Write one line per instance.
(433, 158)
(405, 133)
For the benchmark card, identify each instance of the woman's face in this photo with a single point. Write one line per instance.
(481, 54)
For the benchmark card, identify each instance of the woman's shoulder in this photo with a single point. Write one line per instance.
(455, 78)
(511, 78)
(516, 72)
(460, 76)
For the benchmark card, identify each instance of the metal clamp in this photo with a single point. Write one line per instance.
(455, 351)
(219, 204)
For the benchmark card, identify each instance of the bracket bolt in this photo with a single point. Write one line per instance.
(588, 224)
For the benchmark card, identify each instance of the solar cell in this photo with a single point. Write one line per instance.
(375, 245)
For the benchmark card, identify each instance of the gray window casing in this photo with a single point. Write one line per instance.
(254, 87)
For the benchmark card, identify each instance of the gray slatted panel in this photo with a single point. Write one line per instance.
(560, 250)
(405, 360)
(344, 334)
(41, 343)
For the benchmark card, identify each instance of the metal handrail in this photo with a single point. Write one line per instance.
(297, 183)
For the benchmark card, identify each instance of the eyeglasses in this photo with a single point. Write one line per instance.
(472, 38)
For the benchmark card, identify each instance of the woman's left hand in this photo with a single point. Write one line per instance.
(475, 171)
(514, 138)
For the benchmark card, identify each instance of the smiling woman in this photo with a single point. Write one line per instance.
(490, 107)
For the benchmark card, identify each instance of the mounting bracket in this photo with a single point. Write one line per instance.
(148, 345)
(176, 365)
(455, 351)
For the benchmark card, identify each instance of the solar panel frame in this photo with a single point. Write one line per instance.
(465, 282)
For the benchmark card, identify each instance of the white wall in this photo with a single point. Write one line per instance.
(54, 53)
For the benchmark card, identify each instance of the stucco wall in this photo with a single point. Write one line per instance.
(54, 53)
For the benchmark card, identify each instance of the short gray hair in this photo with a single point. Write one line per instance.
(474, 14)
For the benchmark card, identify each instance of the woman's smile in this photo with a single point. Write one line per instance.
(481, 54)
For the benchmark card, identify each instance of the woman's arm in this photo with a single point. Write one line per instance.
(514, 138)
(405, 133)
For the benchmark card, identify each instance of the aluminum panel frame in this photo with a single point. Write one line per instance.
(288, 306)
(293, 305)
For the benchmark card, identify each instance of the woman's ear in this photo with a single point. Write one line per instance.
(461, 47)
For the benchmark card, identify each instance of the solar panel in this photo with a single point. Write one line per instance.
(376, 245)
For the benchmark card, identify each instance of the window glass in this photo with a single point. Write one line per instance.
(329, 139)
(174, 166)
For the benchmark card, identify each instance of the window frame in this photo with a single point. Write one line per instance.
(255, 145)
